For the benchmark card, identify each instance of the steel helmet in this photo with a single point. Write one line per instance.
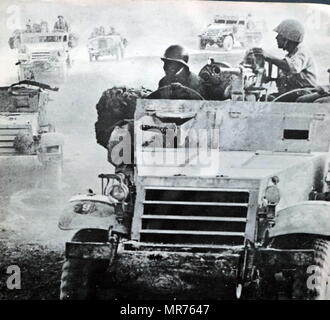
(291, 30)
(176, 53)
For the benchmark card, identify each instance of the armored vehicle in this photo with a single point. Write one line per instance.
(227, 32)
(218, 199)
(43, 56)
(106, 45)
(24, 128)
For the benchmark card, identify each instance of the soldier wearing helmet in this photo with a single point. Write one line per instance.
(297, 69)
(61, 25)
(177, 70)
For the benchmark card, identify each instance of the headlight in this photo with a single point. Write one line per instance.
(116, 189)
(118, 192)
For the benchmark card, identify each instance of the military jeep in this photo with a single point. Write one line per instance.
(106, 45)
(24, 128)
(227, 32)
(43, 56)
(218, 199)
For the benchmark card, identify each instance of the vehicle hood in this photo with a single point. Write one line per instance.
(20, 119)
(233, 164)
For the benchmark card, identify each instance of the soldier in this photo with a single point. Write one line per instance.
(101, 31)
(112, 31)
(44, 26)
(297, 69)
(61, 25)
(177, 70)
(28, 26)
(250, 24)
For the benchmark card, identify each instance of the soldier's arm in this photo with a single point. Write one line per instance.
(280, 63)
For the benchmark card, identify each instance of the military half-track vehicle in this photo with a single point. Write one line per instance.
(25, 131)
(217, 199)
(106, 45)
(227, 32)
(43, 56)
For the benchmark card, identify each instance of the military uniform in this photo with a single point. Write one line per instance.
(180, 73)
(186, 78)
(61, 26)
(302, 69)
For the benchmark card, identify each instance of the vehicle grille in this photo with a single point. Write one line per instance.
(42, 55)
(212, 33)
(194, 216)
(7, 137)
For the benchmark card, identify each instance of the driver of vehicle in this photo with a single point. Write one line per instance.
(297, 69)
(177, 70)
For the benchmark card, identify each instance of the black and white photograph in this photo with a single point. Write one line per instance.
(164, 150)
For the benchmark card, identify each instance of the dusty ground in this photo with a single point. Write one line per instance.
(29, 236)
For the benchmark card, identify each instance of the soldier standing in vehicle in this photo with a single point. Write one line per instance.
(44, 26)
(61, 25)
(177, 70)
(250, 24)
(101, 31)
(112, 31)
(297, 69)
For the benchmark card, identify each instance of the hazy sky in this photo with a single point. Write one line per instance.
(150, 25)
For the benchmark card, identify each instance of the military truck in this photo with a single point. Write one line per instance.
(218, 199)
(43, 56)
(25, 131)
(229, 31)
(106, 45)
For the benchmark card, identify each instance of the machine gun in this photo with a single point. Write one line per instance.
(246, 82)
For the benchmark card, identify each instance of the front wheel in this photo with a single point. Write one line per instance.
(228, 43)
(313, 283)
(81, 277)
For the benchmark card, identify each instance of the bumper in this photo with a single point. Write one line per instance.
(279, 259)
(165, 274)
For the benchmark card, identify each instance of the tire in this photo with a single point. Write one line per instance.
(118, 53)
(80, 277)
(68, 63)
(318, 288)
(63, 73)
(228, 43)
(202, 45)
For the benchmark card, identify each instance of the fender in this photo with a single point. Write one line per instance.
(309, 217)
(89, 211)
(50, 148)
(51, 139)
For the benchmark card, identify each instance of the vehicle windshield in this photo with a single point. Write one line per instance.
(37, 38)
(18, 103)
